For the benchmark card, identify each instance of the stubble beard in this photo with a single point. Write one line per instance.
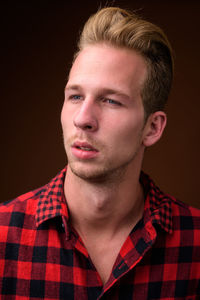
(98, 173)
(107, 174)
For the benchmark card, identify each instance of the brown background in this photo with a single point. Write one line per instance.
(37, 43)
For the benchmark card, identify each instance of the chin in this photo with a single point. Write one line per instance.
(99, 174)
(87, 173)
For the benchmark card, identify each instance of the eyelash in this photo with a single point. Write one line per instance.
(105, 100)
(75, 97)
(111, 101)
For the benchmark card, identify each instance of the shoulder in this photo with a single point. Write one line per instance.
(185, 217)
(182, 215)
(14, 211)
(22, 211)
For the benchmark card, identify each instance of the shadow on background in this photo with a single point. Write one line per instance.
(37, 44)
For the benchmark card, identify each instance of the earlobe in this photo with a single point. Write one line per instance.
(154, 128)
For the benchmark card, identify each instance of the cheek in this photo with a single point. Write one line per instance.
(65, 117)
(65, 126)
(129, 129)
(62, 115)
(128, 136)
(61, 119)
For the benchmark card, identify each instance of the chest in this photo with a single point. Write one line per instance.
(103, 257)
(46, 265)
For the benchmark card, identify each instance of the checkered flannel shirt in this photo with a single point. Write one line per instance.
(42, 257)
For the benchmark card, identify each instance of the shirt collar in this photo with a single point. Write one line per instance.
(52, 202)
(157, 204)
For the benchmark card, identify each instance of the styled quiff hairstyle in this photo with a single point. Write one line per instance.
(120, 28)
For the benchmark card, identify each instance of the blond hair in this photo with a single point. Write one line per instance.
(121, 28)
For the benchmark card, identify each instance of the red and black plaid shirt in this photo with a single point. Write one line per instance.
(42, 257)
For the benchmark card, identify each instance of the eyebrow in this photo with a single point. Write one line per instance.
(72, 87)
(76, 87)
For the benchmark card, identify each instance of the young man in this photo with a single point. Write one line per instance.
(101, 229)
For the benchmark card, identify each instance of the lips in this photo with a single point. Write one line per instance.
(84, 146)
(84, 150)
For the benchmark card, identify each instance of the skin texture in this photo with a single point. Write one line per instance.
(105, 137)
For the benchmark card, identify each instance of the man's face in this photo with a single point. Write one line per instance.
(103, 114)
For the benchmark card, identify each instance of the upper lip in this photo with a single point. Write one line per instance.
(79, 144)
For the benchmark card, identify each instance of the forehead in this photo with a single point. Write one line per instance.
(109, 65)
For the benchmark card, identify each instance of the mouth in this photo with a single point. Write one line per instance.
(84, 146)
(84, 151)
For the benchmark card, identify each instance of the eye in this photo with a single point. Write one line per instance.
(75, 97)
(111, 101)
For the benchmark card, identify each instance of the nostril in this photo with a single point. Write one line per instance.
(88, 127)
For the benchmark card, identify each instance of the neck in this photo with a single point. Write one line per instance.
(101, 207)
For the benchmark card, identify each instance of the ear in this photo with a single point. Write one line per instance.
(154, 128)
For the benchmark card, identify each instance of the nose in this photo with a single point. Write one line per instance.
(86, 116)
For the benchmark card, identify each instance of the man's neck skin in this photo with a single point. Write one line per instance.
(103, 215)
(103, 209)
